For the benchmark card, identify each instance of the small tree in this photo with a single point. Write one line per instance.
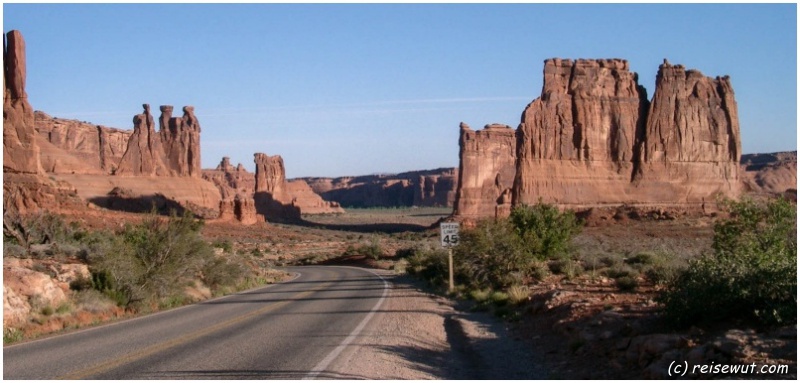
(491, 255)
(545, 231)
(151, 260)
(751, 275)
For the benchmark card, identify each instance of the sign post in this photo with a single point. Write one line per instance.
(449, 232)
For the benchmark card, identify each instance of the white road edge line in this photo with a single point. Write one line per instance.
(324, 363)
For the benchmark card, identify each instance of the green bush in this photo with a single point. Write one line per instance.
(544, 230)
(429, 265)
(491, 255)
(751, 274)
(149, 261)
(372, 250)
(626, 283)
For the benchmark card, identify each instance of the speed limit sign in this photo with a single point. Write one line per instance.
(449, 234)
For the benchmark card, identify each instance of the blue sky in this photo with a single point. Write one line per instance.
(359, 89)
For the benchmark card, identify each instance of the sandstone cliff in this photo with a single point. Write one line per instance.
(25, 188)
(72, 146)
(486, 171)
(593, 139)
(691, 146)
(577, 141)
(20, 151)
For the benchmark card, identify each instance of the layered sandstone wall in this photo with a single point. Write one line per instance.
(577, 142)
(592, 139)
(486, 171)
(72, 146)
(691, 146)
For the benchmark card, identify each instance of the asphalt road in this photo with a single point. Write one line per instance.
(292, 330)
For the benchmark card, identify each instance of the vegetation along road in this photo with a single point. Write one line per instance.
(292, 330)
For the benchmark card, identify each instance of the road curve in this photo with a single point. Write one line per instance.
(291, 330)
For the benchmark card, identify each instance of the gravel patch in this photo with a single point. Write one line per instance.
(417, 335)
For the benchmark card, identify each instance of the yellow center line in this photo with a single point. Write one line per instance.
(132, 357)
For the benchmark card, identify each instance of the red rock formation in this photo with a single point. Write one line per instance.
(180, 138)
(145, 154)
(576, 142)
(72, 146)
(691, 146)
(231, 180)
(20, 150)
(244, 210)
(309, 202)
(592, 139)
(486, 171)
(436, 189)
(279, 200)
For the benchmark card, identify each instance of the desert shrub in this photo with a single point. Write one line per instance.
(93, 301)
(480, 295)
(751, 274)
(11, 335)
(626, 283)
(372, 249)
(406, 252)
(219, 272)
(400, 267)
(544, 230)
(499, 298)
(40, 228)
(148, 261)
(491, 255)
(226, 245)
(538, 271)
(517, 294)
(567, 267)
(429, 265)
(14, 250)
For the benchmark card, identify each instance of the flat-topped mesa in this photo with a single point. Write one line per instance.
(486, 171)
(20, 150)
(691, 147)
(145, 154)
(180, 137)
